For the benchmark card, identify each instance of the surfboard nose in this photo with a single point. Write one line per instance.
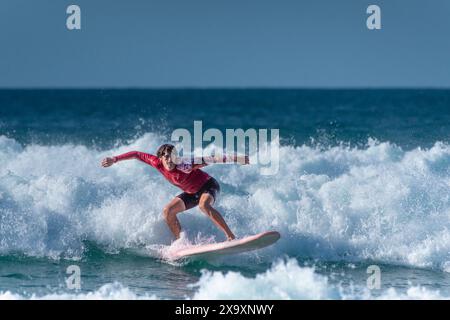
(273, 233)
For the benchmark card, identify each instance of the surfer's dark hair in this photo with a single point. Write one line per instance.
(165, 148)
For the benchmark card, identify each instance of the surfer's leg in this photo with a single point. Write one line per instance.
(205, 205)
(170, 215)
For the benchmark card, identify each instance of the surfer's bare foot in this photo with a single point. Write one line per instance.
(232, 237)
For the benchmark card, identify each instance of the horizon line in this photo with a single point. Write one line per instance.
(228, 88)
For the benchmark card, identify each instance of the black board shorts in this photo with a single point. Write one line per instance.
(191, 200)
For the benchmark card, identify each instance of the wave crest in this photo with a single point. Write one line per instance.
(378, 202)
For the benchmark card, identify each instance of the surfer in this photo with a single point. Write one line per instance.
(199, 188)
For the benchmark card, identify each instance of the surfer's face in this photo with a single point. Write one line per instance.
(167, 161)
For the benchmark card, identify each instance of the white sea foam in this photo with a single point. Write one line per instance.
(379, 202)
(110, 291)
(286, 280)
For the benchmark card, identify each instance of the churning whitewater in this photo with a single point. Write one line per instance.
(377, 202)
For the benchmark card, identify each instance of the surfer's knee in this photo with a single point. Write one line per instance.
(168, 212)
(205, 203)
(204, 206)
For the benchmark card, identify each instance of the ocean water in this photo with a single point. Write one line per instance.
(364, 179)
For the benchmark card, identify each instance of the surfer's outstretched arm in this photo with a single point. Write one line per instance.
(221, 159)
(237, 159)
(142, 156)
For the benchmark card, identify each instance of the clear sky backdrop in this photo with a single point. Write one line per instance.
(225, 43)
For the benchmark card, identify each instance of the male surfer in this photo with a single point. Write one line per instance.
(199, 188)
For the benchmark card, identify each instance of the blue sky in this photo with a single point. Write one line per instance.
(212, 43)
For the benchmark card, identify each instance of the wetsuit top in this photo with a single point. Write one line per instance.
(182, 176)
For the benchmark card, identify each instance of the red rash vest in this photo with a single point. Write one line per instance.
(188, 181)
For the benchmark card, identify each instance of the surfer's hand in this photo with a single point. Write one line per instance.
(244, 160)
(107, 162)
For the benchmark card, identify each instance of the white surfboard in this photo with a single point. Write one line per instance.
(249, 243)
